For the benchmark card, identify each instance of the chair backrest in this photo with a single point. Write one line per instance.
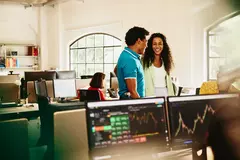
(89, 95)
(70, 135)
(83, 95)
(41, 88)
(93, 95)
(66, 74)
(114, 83)
(31, 90)
(10, 92)
(14, 139)
(9, 78)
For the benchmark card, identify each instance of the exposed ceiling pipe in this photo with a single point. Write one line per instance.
(53, 2)
(36, 3)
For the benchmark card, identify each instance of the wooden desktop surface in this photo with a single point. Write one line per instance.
(25, 111)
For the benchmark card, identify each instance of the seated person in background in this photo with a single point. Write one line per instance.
(97, 84)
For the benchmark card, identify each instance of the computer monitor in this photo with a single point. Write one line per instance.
(127, 129)
(64, 88)
(190, 116)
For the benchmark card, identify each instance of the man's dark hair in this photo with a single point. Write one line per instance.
(97, 80)
(134, 33)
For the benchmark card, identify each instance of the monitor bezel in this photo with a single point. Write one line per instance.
(121, 103)
(172, 99)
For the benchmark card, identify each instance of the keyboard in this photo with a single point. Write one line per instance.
(9, 104)
(68, 101)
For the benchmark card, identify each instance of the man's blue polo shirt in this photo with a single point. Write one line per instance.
(129, 66)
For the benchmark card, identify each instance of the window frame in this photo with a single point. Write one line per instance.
(94, 47)
(208, 35)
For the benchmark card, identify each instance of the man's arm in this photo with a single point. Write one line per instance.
(132, 87)
(115, 70)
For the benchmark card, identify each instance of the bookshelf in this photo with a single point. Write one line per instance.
(19, 57)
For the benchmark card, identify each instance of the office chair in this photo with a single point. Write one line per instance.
(40, 88)
(179, 91)
(14, 139)
(92, 95)
(83, 95)
(112, 74)
(43, 101)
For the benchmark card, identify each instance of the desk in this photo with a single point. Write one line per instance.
(182, 154)
(19, 112)
(55, 106)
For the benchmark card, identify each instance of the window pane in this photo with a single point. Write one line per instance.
(98, 40)
(82, 42)
(90, 55)
(108, 55)
(98, 55)
(214, 64)
(74, 67)
(117, 52)
(215, 49)
(107, 69)
(74, 45)
(98, 68)
(81, 55)
(117, 42)
(90, 69)
(108, 40)
(81, 70)
(90, 41)
(74, 56)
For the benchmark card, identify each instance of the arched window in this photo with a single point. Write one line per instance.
(223, 47)
(94, 53)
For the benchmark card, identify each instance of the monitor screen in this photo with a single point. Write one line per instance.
(127, 127)
(64, 88)
(190, 116)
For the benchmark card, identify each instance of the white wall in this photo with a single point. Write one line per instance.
(17, 24)
(116, 17)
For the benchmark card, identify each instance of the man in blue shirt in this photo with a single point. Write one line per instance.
(129, 69)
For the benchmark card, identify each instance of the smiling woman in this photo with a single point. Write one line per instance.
(157, 64)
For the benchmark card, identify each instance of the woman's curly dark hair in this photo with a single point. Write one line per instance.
(166, 55)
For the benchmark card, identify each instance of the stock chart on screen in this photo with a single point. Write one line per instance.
(190, 116)
(127, 126)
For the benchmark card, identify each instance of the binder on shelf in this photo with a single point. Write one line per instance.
(32, 51)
